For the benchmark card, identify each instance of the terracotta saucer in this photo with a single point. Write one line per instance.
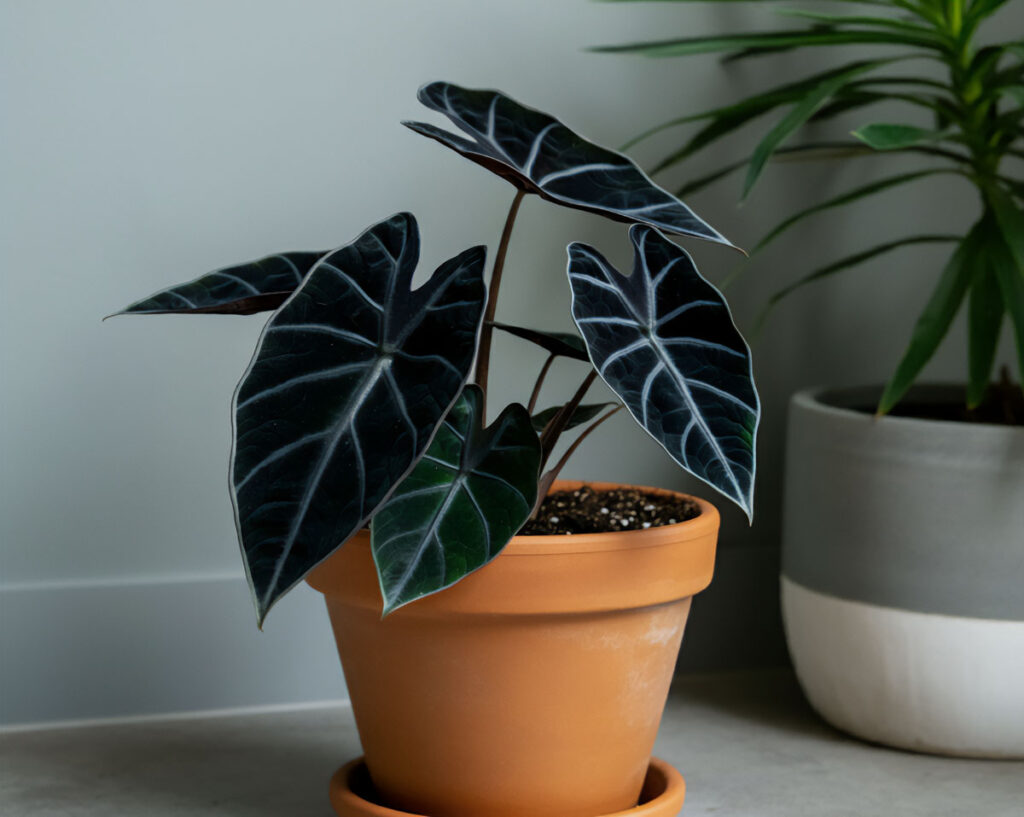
(352, 793)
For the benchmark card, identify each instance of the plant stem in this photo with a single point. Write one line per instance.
(549, 477)
(553, 430)
(540, 382)
(576, 443)
(483, 360)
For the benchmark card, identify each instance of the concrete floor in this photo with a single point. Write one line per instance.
(748, 745)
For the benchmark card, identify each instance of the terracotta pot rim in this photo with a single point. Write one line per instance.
(616, 570)
(617, 539)
(664, 786)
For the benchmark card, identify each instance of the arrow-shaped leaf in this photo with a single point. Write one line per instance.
(349, 382)
(258, 286)
(664, 341)
(565, 344)
(538, 154)
(460, 505)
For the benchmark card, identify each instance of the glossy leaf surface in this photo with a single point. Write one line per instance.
(349, 382)
(564, 344)
(538, 154)
(461, 504)
(664, 341)
(245, 289)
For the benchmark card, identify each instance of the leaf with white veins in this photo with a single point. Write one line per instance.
(664, 341)
(245, 289)
(538, 154)
(347, 387)
(462, 503)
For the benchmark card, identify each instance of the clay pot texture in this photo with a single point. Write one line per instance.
(532, 688)
(902, 569)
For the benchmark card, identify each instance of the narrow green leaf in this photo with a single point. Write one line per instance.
(767, 42)
(1014, 92)
(729, 118)
(797, 116)
(847, 198)
(1009, 264)
(870, 21)
(932, 325)
(851, 261)
(1010, 219)
(815, 151)
(897, 137)
(984, 8)
(984, 320)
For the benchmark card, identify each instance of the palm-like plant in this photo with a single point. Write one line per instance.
(969, 124)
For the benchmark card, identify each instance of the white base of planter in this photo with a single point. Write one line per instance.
(930, 683)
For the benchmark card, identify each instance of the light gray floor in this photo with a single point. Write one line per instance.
(747, 743)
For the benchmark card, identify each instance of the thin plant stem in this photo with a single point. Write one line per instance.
(576, 443)
(549, 477)
(556, 425)
(540, 382)
(483, 360)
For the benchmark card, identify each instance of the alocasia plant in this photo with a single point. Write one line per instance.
(356, 407)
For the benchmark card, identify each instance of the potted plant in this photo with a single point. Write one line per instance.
(541, 670)
(903, 541)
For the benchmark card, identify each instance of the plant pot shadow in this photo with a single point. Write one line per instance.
(771, 698)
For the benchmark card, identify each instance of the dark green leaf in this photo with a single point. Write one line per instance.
(984, 320)
(538, 154)
(852, 261)
(258, 286)
(1010, 219)
(1009, 261)
(811, 152)
(564, 344)
(839, 20)
(351, 377)
(932, 325)
(460, 505)
(730, 118)
(582, 414)
(797, 116)
(664, 341)
(847, 198)
(897, 137)
(1013, 92)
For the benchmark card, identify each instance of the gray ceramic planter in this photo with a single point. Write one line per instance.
(903, 573)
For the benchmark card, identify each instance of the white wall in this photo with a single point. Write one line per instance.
(147, 142)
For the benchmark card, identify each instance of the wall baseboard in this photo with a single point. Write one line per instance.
(90, 651)
(100, 651)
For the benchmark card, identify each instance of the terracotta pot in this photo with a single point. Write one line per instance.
(532, 688)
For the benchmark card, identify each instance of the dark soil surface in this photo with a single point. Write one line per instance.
(588, 511)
